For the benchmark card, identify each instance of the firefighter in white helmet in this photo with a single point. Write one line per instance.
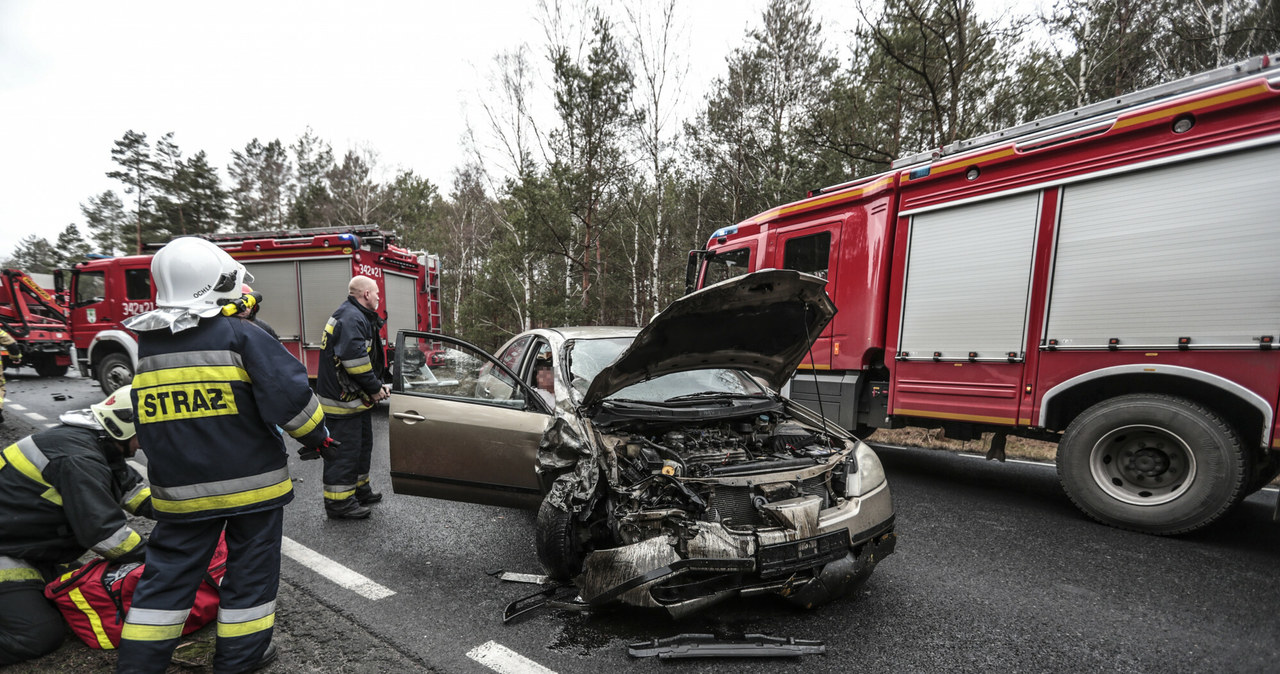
(63, 493)
(208, 391)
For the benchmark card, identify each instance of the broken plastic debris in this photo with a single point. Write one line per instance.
(710, 646)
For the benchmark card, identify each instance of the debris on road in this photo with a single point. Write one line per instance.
(709, 646)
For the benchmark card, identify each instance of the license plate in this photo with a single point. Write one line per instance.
(785, 558)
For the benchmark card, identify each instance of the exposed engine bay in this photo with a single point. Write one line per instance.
(667, 480)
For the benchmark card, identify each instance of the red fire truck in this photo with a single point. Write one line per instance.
(1106, 277)
(31, 315)
(302, 275)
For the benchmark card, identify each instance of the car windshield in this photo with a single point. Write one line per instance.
(589, 356)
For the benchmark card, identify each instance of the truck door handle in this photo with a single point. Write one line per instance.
(410, 417)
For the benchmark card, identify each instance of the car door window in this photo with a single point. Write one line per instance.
(448, 369)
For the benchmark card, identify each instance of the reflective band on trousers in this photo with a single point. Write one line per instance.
(77, 597)
(341, 407)
(122, 541)
(306, 420)
(12, 568)
(148, 624)
(25, 457)
(339, 492)
(222, 494)
(237, 622)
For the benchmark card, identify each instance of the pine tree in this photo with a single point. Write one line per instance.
(138, 173)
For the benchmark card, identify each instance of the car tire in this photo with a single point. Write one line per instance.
(114, 371)
(556, 542)
(1156, 464)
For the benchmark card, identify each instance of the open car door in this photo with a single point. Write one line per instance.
(465, 428)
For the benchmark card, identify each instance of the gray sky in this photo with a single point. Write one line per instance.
(397, 77)
(400, 78)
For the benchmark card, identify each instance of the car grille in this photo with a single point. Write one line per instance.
(733, 504)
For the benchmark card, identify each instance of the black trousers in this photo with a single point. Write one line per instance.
(177, 559)
(347, 476)
(30, 625)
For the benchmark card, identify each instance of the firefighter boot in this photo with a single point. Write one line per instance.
(346, 509)
(365, 493)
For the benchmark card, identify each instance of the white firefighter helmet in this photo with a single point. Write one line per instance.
(193, 274)
(115, 414)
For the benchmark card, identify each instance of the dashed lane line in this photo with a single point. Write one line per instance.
(37, 417)
(334, 571)
(503, 660)
(51, 425)
(14, 406)
(317, 562)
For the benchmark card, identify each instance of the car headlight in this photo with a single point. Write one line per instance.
(869, 476)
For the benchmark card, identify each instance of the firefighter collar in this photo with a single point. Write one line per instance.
(175, 319)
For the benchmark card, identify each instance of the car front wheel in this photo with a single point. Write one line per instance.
(556, 542)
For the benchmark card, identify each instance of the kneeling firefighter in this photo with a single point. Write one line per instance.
(63, 491)
(209, 389)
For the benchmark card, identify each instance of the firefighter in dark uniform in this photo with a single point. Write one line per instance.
(208, 389)
(63, 490)
(349, 383)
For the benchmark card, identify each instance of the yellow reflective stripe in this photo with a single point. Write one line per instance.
(343, 411)
(339, 495)
(19, 574)
(243, 498)
(316, 418)
(249, 627)
(134, 632)
(189, 375)
(94, 621)
(133, 503)
(328, 327)
(129, 543)
(360, 368)
(20, 461)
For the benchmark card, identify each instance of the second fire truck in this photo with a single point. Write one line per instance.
(302, 275)
(1106, 277)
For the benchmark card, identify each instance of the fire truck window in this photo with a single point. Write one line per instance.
(727, 265)
(137, 284)
(89, 288)
(808, 254)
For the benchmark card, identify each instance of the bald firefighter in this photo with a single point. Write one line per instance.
(65, 491)
(349, 382)
(208, 391)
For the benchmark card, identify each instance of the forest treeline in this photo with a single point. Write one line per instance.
(587, 216)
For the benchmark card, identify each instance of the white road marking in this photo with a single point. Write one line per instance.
(51, 425)
(524, 578)
(13, 406)
(37, 417)
(503, 660)
(142, 470)
(333, 571)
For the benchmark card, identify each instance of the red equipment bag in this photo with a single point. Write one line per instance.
(95, 597)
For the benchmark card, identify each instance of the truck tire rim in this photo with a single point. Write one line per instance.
(119, 376)
(1142, 465)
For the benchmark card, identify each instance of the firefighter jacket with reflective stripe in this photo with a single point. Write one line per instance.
(206, 400)
(351, 363)
(61, 495)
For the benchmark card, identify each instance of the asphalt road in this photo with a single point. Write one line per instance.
(994, 571)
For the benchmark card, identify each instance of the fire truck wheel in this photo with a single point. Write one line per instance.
(114, 371)
(1152, 463)
(48, 367)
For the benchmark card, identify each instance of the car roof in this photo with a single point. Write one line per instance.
(595, 332)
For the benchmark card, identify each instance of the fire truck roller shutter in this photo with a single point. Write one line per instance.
(401, 304)
(1180, 250)
(968, 277)
(278, 283)
(325, 287)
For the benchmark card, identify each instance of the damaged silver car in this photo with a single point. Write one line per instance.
(666, 469)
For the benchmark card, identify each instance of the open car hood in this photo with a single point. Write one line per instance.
(762, 323)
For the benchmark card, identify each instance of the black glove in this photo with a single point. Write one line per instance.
(328, 449)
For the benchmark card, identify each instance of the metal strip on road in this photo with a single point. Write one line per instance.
(503, 660)
(333, 571)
